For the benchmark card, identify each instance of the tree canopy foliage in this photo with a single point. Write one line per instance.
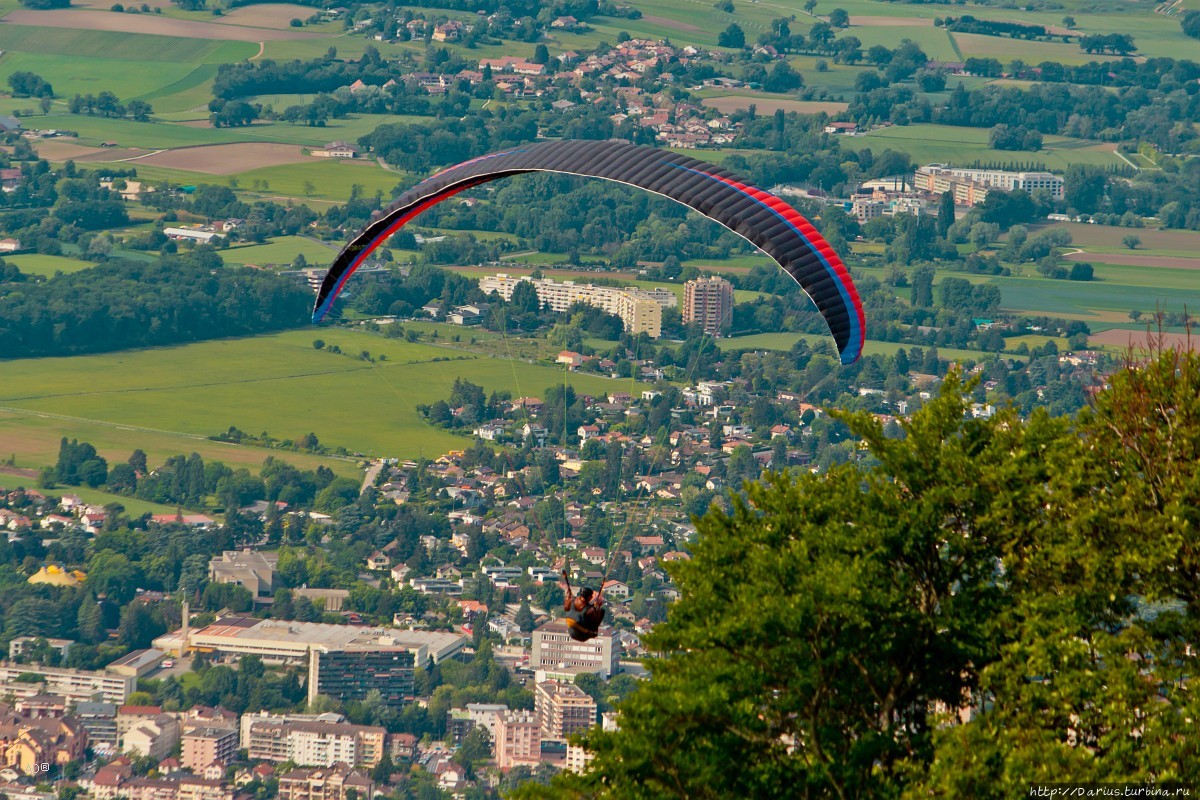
(980, 605)
(122, 304)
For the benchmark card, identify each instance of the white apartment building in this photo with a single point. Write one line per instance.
(75, 685)
(639, 309)
(554, 647)
(940, 178)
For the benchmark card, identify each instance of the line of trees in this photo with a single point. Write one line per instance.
(136, 304)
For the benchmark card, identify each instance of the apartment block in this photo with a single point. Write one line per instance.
(639, 309)
(154, 738)
(562, 709)
(970, 185)
(353, 673)
(553, 647)
(325, 783)
(518, 739)
(320, 744)
(204, 746)
(74, 685)
(708, 302)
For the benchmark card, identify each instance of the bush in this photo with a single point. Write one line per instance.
(117, 7)
(297, 23)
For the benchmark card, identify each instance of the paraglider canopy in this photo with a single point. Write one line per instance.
(758, 216)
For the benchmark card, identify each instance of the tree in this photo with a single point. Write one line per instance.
(945, 217)
(809, 5)
(839, 18)
(524, 617)
(1132, 241)
(1190, 22)
(1068, 22)
(525, 298)
(1084, 188)
(29, 84)
(541, 54)
(754, 700)
(922, 286)
(733, 36)
(1081, 271)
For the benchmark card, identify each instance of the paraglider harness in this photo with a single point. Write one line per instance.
(583, 624)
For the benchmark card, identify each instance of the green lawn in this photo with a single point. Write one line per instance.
(172, 73)
(331, 179)
(785, 341)
(133, 506)
(277, 383)
(165, 134)
(1042, 296)
(953, 145)
(37, 264)
(281, 251)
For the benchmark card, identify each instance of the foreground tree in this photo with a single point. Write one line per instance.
(991, 604)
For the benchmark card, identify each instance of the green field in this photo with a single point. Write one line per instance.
(945, 144)
(1057, 298)
(172, 73)
(281, 250)
(160, 399)
(164, 135)
(331, 179)
(37, 264)
(785, 341)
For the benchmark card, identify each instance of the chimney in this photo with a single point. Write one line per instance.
(183, 637)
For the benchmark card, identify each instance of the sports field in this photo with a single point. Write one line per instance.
(161, 399)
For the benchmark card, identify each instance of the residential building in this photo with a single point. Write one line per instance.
(325, 783)
(42, 706)
(204, 746)
(352, 673)
(24, 644)
(313, 743)
(970, 185)
(553, 647)
(100, 722)
(563, 709)
(577, 758)
(28, 745)
(640, 310)
(518, 739)
(74, 685)
(251, 569)
(708, 302)
(486, 715)
(866, 209)
(154, 738)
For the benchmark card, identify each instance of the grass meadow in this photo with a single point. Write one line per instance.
(929, 144)
(280, 251)
(47, 266)
(785, 341)
(161, 399)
